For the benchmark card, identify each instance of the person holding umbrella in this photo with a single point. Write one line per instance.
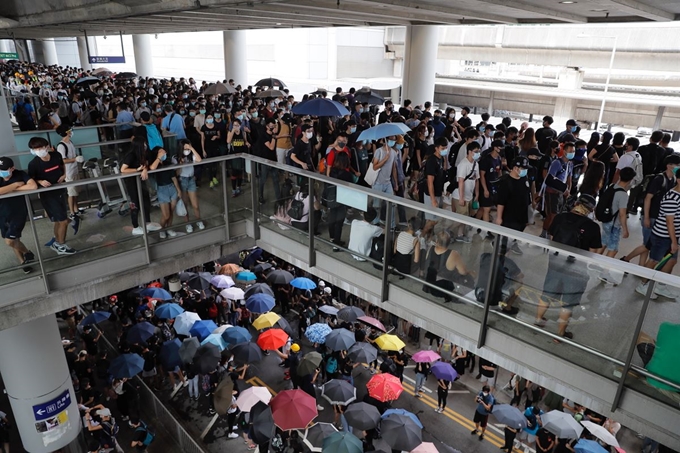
(422, 370)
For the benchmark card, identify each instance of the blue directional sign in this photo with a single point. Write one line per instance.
(106, 60)
(52, 407)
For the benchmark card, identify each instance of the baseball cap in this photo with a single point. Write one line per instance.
(571, 123)
(295, 347)
(6, 163)
(497, 144)
(104, 412)
(521, 161)
(322, 283)
(327, 290)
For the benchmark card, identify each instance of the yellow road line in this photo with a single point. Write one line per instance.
(258, 382)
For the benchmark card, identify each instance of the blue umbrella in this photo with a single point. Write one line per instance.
(383, 130)
(95, 317)
(320, 107)
(443, 370)
(126, 366)
(168, 311)
(260, 303)
(245, 276)
(216, 339)
(510, 415)
(253, 257)
(202, 329)
(157, 293)
(317, 333)
(236, 335)
(408, 414)
(140, 332)
(169, 354)
(588, 446)
(302, 283)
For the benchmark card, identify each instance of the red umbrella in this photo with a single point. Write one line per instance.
(384, 387)
(372, 322)
(272, 339)
(293, 409)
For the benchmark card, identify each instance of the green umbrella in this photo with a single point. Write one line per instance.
(342, 442)
(309, 363)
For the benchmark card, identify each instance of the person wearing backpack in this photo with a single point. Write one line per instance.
(631, 158)
(566, 279)
(24, 114)
(143, 436)
(611, 210)
(106, 427)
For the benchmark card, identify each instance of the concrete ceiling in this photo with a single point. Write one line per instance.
(61, 18)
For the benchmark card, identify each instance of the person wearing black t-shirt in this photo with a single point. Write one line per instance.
(464, 121)
(490, 167)
(434, 180)
(545, 441)
(47, 169)
(13, 211)
(135, 162)
(514, 197)
(266, 149)
(545, 134)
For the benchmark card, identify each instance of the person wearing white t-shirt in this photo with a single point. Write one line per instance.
(362, 233)
(467, 176)
(71, 159)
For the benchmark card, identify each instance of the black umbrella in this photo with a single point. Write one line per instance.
(126, 75)
(207, 358)
(271, 94)
(188, 349)
(279, 277)
(340, 339)
(350, 313)
(338, 391)
(314, 436)
(185, 276)
(258, 288)
(261, 267)
(219, 88)
(87, 81)
(309, 363)
(263, 423)
(401, 432)
(200, 281)
(270, 83)
(285, 326)
(362, 416)
(362, 353)
(247, 353)
(367, 95)
(319, 92)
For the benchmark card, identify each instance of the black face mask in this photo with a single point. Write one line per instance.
(342, 144)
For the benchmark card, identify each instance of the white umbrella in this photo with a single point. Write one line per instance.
(185, 321)
(328, 309)
(601, 433)
(562, 425)
(251, 396)
(233, 293)
(222, 281)
(221, 329)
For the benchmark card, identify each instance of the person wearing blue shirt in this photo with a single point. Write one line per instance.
(533, 416)
(173, 123)
(124, 116)
(437, 124)
(485, 402)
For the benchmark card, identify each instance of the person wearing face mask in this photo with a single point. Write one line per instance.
(141, 107)
(173, 123)
(71, 159)
(467, 188)
(557, 185)
(199, 119)
(351, 131)
(283, 134)
(13, 211)
(47, 169)
(210, 143)
(612, 212)
(514, 197)
(187, 182)
(438, 125)
(570, 129)
(386, 114)
(485, 402)
(266, 148)
(237, 142)
(301, 154)
(339, 146)
(168, 188)
(386, 179)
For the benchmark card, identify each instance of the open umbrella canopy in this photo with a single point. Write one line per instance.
(253, 257)
(260, 303)
(362, 416)
(588, 446)
(405, 413)
(216, 339)
(561, 424)
(388, 342)
(233, 293)
(362, 352)
(370, 321)
(168, 311)
(266, 320)
(425, 447)
(169, 355)
(223, 395)
(302, 283)
(188, 349)
(444, 370)
(251, 396)
(338, 391)
(140, 332)
(263, 423)
(207, 358)
(229, 269)
(247, 353)
(102, 72)
(185, 321)
(272, 339)
(367, 95)
(340, 339)
(87, 81)
(235, 335)
(342, 442)
(317, 333)
(222, 281)
(425, 356)
(314, 436)
(258, 288)
(126, 366)
(350, 313)
(601, 433)
(279, 277)
(199, 281)
(329, 310)
(383, 130)
(320, 107)
(245, 276)
(293, 409)
(384, 387)
(219, 88)
(270, 82)
(401, 432)
(509, 415)
(261, 267)
(95, 317)
(310, 362)
(285, 326)
(156, 293)
(126, 75)
(202, 329)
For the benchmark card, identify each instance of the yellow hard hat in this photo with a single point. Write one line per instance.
(295, 347)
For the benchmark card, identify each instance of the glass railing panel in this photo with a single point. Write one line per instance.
(16, 263)
(239, 183)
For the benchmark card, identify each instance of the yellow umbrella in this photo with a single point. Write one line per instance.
(266, 320)
(388, 342)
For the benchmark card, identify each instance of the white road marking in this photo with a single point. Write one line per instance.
(210, 425)
(412, 381)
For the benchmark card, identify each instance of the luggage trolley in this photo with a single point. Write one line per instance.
(106, 205)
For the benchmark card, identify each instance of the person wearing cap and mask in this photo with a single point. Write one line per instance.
(557, 184)
(514, 197)
(13, 211)
(566, 280)
(106, 427)
(571, 128)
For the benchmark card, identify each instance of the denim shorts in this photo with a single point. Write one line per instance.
(646, 232)
(166, 194)
(564, 282)
(611, 235)
(658, 247)
(187, 183)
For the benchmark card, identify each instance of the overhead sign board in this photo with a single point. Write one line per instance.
(52, 407)
(106, 60)
(9, 56)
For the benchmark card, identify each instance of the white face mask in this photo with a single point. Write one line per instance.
(309, 134)
(187, 152)
(39, 152)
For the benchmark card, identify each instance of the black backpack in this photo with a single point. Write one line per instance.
(377, 250)
(570, 231)
(329, 196)
(603, 211)
(297, 209)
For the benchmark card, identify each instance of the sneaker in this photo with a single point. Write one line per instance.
(232, 436)
(540, 322)
(543, 235)
(664, 291)
(152, 226)
(186, 384)
(514, 248)
(137, 231)
(189, 229)
(50, 242)
(215, 181)
(75, 223)
(28, 257)
(481, 437)
(163, 235)
(463, 238)
(234, 428)
(27, 269)
(261, 200)
(319, 407)
(474, 431)
(62, 249)
(200, 225)
(347, 222)
(211, 412)
(172, 233)
(642, 289)
(418, 395)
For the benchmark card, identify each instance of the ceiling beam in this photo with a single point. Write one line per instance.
(381, 13)
(464, 13)
(643, 10)
(541, 10)
(339, 18)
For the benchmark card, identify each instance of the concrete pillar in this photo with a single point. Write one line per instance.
(659, 117)
(569, 79)
(332, 55)
(6, 132)
(420, 59)
(49, 50)
(82, 53)
(235, 56)
(38, 385)
(492, 95)
(5, 46)
(143, 59)
(21, 46)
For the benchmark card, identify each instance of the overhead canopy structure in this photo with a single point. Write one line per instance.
(61, 18)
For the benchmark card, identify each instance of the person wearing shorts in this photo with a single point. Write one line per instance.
(13, 211)
(187, 182)
(528, 434)
(47, 169)
(434, 181)
(71, 159)
(466, 187)
(485, 401)
(168, 189)
(490, 171)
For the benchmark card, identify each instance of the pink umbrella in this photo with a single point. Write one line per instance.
(425, 447)
(372, 322)
(426, 356)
